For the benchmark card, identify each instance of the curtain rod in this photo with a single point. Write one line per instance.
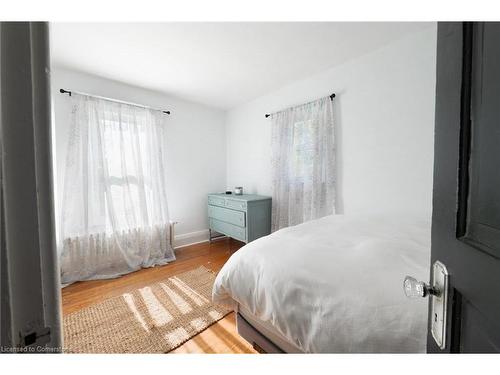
(331, 98)
(63, 91)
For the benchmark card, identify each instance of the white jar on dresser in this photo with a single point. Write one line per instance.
(243, 217)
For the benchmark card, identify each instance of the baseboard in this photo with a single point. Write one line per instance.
(186, 239)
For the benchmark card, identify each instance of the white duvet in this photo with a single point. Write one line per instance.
(335, 284)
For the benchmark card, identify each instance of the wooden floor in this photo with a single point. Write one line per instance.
(221, 337)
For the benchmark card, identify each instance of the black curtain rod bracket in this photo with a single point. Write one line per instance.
(331, 98)
(63, 91)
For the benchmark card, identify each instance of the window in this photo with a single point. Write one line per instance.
(303, 163)
(124, 142)
(114, 216)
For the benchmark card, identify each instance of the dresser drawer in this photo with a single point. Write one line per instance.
(227, 215)
(228, 229)
(217, 201)
(236, 205)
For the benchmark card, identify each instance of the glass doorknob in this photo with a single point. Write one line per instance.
(414, 288)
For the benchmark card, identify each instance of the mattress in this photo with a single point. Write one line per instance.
(334, 284)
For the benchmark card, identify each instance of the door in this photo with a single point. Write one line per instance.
(466, 199)
(29, 282)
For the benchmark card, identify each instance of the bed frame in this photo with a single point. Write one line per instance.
(258, 341)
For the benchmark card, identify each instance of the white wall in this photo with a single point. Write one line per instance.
(384, 118)
(196, 146)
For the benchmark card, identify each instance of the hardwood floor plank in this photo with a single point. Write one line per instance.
(220, 337)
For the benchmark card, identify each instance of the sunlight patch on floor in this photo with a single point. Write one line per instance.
(155, 308)
(129, 299)
(215, 315)
(177, 336)
(196, 297)
(183, 306)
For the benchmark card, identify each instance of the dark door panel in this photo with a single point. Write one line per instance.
(478, 333)
(483, 205)
(466, 200)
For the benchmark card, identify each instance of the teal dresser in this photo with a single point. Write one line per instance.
(243, 217)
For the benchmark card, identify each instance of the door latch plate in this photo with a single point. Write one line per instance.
(439, 303)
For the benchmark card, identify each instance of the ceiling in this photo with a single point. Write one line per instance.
(217, 64)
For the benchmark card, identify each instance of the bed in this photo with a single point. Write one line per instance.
(332, 285)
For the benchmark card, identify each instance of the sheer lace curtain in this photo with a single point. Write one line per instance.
(303, 163)
(114, 217)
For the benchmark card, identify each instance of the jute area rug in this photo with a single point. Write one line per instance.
(153, 319)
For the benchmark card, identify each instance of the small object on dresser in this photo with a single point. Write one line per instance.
(229, 192)
(238, 190)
